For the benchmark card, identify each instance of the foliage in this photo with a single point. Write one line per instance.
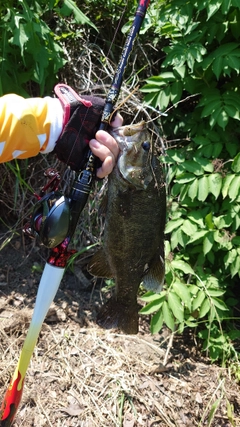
(30, 51)
(198, 85)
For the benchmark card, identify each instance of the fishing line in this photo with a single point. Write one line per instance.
(113, 40)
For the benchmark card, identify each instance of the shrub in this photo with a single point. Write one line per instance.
(198, 86)
(30, 49)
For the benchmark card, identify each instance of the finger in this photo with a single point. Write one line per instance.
(106, 167)
(117, 121)
(106, 149)
(105, 155)
(108, 144)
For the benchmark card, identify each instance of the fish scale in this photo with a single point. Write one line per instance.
(133, 241)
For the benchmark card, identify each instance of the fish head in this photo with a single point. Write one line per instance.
(135, 158)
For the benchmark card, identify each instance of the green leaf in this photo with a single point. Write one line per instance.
(234, 188)
(230, 257)
(183, 266)
(178, 238)
(221, 119)
(174, 156)
(193, 167)
(193, 189)
(208, 243)
(197, 217)
(232, 111)
(184, 178)
(226, 4)
(236, 163)
(230, 413)
(183, 292)
(233, 61)
(163, 99)
(151, 296)
(213, 410)
(235, 266)
(174, 239)
(226, 184)
(202, 140)
(225, 49)
(209, 221)
(153, 306)
(168, 316)
(198, 236)
(20, 37)
(189, 228)
(197, 302)
(205, 163)
(236, 240)
(211, 107)
(203, 188)
(215, 292)
(204, 309)
(173, 225)
(215, 184)
(150, 87)
(175, 305)
(181, 71)
(219, 304)
(217, 149)
(217, 66)
(176, 91)
(191, 323)
(156, 322)
(80, 18)
(223, 221)
(212, 8)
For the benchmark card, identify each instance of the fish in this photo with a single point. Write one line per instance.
(133, 240)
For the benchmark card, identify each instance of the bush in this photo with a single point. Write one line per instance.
(30, 49)
(198, 85)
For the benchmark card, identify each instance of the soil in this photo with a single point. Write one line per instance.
(82, 375)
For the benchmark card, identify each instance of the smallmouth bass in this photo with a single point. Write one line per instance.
(133, 242)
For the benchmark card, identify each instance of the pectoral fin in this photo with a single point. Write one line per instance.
(98, 265)
(154, 278)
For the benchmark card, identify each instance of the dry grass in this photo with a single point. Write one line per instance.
(90, 377)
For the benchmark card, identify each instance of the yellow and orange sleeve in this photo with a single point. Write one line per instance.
(28, 126)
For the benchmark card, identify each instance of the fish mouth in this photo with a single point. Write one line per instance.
(129, 130)
(123, 134)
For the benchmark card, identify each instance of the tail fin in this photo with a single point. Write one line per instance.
(114, 315)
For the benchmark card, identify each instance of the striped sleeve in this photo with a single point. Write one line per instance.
(28, 126)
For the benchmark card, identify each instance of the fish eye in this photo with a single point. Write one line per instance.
(146, 145)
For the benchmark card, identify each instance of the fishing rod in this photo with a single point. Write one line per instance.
(54, 220)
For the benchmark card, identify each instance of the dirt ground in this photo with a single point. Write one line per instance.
(83, 376)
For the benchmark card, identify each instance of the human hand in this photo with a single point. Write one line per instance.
(81, 120)
(106, 148)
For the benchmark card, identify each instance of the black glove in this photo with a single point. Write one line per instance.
(82, 117)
